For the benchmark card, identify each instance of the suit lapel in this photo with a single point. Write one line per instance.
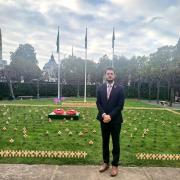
(105, 91)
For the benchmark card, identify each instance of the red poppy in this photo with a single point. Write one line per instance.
(71, 112)
(59, 111)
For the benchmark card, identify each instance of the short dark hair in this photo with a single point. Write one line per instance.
(111, 69)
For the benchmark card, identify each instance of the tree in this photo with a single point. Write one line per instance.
(24, 63)
(160, 61)
(136, 70)
(148, 77)
(7, 74)
(103, 63)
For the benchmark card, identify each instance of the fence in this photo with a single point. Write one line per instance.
(47, 89)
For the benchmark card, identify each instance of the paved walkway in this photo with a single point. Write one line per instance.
(55, 172)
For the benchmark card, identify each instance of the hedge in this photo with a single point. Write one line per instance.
(47, 89)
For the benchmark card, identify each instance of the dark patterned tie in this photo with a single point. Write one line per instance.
(109, 90)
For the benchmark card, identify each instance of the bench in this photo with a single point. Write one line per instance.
(25, 97)
(164, 103)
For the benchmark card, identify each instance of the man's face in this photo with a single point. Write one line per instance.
(110, 76)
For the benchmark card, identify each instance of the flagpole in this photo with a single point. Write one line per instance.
(58, 51)
(85, 75)
(72, 52)
(113, 58)
(113, 38)
(85, 66)
(59, 94)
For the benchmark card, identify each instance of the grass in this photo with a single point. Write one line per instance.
(49, 101)
(44, 101)
(162, 137)
(177, 111)
(138, 103)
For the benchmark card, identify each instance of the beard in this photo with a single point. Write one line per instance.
(110, 81)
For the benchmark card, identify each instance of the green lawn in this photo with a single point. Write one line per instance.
(177, 111)
(162, 135)
(45, 101)
(49, 101)
(138, 103)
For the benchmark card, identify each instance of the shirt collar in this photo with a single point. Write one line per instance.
(110, 84)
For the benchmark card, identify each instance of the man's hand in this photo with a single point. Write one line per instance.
(106, 118)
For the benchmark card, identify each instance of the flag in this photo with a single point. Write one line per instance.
(113, 38)
(86, 39)
(57, 42)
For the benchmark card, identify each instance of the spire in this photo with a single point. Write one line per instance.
(0, 45)
(52, 56)
(52, 60)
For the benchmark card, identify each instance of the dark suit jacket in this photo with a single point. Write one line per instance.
(112, 106)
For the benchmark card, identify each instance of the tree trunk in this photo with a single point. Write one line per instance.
(11, 90)
(78, 88)
(150, 85)
(38, 89)
(158, 89)
(171, 96)
(168, 91)
(139, 86)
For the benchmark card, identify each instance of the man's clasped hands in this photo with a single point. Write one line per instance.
(106, 118)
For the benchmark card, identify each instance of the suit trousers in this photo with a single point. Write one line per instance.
(113, 129)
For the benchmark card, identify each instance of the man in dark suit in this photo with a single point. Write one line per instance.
(110, 102)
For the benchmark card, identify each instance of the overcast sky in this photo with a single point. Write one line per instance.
(141, 26)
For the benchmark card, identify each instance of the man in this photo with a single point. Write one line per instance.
(110, 102)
